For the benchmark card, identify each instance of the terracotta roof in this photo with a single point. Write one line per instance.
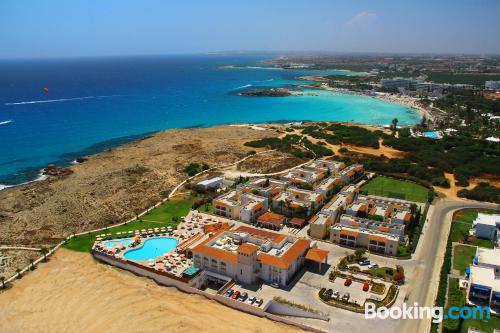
(216, 226)
(408, 217)
(349, 233)
(271, 218)
(247, 248)
(297, 221)
(220, 203)
(213, 252)
(262, 234)
(377, 238)
(289, 257)
(383, 229)
(317, 255)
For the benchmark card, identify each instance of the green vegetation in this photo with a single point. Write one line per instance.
(427, 159)
(484, 325)
(336, 134)
(456, 297)
(462, 223)
(289, 144)
(463, 255)
(162, 216)
(318, 149)
(394, 188)
(194, 168)
(482, 192)
(448, 77)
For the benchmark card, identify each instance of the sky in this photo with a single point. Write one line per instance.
(76, 28)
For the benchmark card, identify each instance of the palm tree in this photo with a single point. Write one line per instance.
(394, 124)
(44, 251)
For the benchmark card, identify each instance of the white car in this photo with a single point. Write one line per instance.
(373, 266)
(251, 300)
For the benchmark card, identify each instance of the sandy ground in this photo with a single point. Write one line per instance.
(112, 186)
(74, 293)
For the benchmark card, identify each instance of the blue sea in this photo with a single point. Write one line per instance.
(95, 104)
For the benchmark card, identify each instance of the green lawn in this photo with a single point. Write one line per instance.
(463, 255)
(484, 325)
(159, 217)
(394, 188)
(462, 223)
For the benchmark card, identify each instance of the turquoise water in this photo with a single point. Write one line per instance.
(432, 135)
(115, 242)
(152, 248)
(99, 103)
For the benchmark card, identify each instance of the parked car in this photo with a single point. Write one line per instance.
(229, 293)
(329, 293)
(346, 297)
(373, 266)
(243, 297)
(348, 282)
(236, 295)
(251, 300)
(364, 262)
(336, 294)
(275, 285)
(259, 302)
(366, 286)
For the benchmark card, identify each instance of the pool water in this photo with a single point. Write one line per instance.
(152, 248)
(432, 135)
(115, 242)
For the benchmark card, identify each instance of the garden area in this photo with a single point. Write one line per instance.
(165, 215)
(463, 255)
(462, 223)
(395, 188)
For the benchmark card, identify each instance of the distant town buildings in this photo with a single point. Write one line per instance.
(492, 85)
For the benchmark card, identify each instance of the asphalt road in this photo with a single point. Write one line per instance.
(429, 257)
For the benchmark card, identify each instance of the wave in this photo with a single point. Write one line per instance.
(242, 87)
(265, 80)
(6, 122)
(58, 100)
(41, 176)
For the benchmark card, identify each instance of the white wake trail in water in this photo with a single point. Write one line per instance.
(6, 122)
(58, 100)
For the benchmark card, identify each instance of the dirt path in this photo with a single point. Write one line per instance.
(74, 293)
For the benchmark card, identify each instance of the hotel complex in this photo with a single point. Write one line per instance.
(248, 254)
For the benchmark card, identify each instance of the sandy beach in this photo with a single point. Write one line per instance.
(74, 293)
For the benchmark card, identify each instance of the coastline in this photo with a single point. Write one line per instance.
(407, 101)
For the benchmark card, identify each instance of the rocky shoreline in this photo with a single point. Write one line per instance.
(271, 92)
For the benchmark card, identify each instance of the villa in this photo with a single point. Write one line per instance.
(265, 187)
(305, 175)
(248, 255)
(320, 224)
(484, 279)
(351, 173)
(375, 241)
(333, 166)
(375, 226)
(486, 226)
(297, 201)
(246, 207)
(327, 186)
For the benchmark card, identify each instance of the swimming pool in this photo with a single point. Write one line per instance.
(432, 135)
(116, 242)
(152, 248)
